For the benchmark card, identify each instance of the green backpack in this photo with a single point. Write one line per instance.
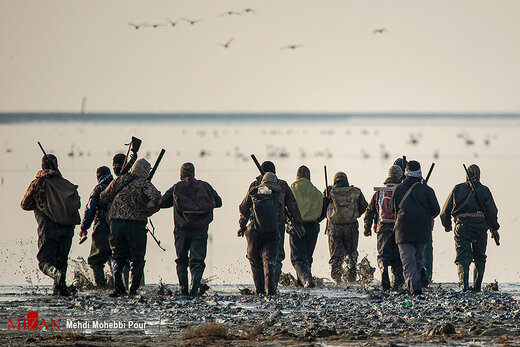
(309, 199)
(343, 207)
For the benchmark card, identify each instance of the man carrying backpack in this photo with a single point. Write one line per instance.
(262, 207)
(311, 206)
(380, 211)
(289, 206)
(415, 206)
(193, 202)
(94, 212)
(471, 225)
(345, 205)
(55, 202)
(133, 199)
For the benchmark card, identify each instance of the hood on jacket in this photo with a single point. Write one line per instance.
(271, 181)
(142, 168)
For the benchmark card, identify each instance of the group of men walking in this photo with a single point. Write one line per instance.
(401, 214)
(119, 209)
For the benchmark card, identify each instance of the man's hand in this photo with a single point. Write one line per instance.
(241, 232)
(367, 232)
(496, 236)
(447, 229)
(82, 236)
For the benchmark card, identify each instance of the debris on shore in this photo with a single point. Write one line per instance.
(227, 316)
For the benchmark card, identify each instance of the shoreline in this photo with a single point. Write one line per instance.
(331, 315)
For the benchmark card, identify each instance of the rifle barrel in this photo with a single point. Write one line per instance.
(429, 173)
(326, 182)
(156, 165)
(259, 167)
(51, 163)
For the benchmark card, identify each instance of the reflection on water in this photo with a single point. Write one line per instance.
(363, 148)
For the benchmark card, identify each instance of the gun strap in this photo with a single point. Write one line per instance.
(408, 192)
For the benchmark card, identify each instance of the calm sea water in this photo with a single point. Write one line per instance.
(362, 145)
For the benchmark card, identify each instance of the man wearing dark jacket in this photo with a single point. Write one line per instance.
(193, 202)
(470, 226)
(381, 211)
(54, 234)
(290, 206)
(100, 249)
(262, 231)
(133, 199)
(345, 204)
(312, 209)
(415, 206)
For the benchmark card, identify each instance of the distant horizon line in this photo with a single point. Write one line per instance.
(20, 117)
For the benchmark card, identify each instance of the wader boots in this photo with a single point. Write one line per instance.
(99, 275)
(463, 277)
(478, 276)
(385, 279)
(182, 275)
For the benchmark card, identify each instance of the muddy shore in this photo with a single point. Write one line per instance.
(328, 315)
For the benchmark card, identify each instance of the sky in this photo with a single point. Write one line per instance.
(441, 56)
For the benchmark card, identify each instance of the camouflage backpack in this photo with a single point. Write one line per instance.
(343, 207)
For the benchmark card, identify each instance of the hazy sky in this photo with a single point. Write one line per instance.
(451, 56)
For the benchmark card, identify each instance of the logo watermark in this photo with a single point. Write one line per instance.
(33, 322)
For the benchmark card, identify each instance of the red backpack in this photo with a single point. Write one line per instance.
(386, 211)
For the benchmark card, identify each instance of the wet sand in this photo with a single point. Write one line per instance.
(328, 315)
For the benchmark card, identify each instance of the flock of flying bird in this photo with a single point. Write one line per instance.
(226, 45)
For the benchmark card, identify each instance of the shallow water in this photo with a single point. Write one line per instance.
(342, 145)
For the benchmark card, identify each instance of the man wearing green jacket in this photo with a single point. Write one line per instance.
(470, 226)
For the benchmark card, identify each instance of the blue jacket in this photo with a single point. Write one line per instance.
(94, 212)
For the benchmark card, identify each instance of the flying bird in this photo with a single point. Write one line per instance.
(193, 21)
(136, 26)
(230, 13)
(379, 30)
(156, 25)
(291, 46)
(226, 45)
(173, 23)
(249, 10)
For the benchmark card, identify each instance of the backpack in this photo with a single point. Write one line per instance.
(309, 199)
(195, 203)
(386, 211)
(266, 207)
(343, 207)
(63, 201)
(193, 196)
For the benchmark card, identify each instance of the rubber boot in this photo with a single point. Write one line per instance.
(126, 276)
(99, 275)
(270, 280)
(59, 287)
(398, 278)
(304, 275)
(182, 275)
(258, 277)
(385, 279)
(478, 276)
(351, 274)
(195, 283)
(463, 272)
(137, 275)
(425, 282)
(119, 286)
